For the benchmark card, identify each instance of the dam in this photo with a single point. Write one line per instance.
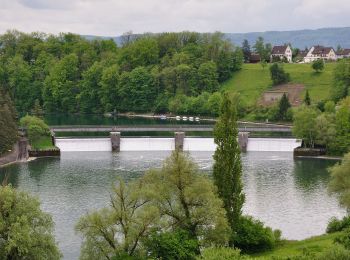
(168, 144)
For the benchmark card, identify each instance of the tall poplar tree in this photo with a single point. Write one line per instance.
(227, 169)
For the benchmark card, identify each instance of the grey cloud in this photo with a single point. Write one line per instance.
(113, 17)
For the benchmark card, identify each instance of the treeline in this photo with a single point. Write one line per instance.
(8, 126)
(67, 73)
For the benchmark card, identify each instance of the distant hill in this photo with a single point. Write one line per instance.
(300, 38)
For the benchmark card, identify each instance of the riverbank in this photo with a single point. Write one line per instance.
(10, 157)
(313, 245)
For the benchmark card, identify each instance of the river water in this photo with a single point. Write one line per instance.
(287, 194)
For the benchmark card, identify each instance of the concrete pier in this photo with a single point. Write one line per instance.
(179, 140)
(115, 141)
(243, 140)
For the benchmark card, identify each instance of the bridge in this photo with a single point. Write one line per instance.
(251, 127)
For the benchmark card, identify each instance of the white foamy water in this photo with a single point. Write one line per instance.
(168, 144)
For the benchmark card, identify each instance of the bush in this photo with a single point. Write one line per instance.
(335, 253)
(318, 65)
(36, 128)
(336, 225)
(278, 75)
(222, 253)
(344, 239)
(172, 245)
(252, 236)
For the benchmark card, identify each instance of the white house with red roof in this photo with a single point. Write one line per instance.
(320, 52)
(281, 52)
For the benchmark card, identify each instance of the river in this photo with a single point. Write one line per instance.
(287, 194)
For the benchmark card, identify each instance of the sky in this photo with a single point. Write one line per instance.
(114, 17)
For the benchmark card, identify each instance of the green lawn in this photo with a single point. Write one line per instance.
(312, 245)
(43, 143)
(252, 80)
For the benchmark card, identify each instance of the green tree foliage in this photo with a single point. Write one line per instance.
(26, 232)
(36, 127)
(175, 245)
(341, 83)
(307, 99)
(264, 50)
(340, 181)
(283, 108)
(344, 238)
(227, 169)
(318, 65)
(187, 200)
(341, 143)
(69, 74)
(246, 50)
(278, 75)
(8, 126)
(117, 230)
(304, 125)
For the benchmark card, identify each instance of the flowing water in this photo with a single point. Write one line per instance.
(287, 194)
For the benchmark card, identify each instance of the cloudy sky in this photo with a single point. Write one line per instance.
(113, 17)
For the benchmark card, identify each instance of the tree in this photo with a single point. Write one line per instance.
(278, 75)
(307, 99)
(304, 125)
(36, 127)
(188, 201)
(26, 232)
(118, 229)
(227, 169)
(340, 181)
(283, 107)
(246, 50)
(318, 65)
(341, 142)
(341, 84)
(208, 77)
(8, 126)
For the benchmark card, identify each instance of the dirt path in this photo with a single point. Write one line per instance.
(19, 153)
(10, 157)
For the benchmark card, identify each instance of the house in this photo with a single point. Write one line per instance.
(254, 58)
(320, 52)
(281, 52)
(344, 53)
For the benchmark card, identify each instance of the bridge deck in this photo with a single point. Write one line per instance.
(166, 128)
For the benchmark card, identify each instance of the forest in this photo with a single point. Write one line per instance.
(67, 73)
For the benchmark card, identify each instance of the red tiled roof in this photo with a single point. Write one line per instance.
(279, 49)
(344, 52)
(320, 50)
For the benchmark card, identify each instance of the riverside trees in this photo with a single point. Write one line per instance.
(25, 231)
(8, 126)
(176, 197)
(67, 73)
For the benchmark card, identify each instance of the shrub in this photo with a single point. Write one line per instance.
(344, 239)
(278, 75)
(318, 65)
(336, 225)
(172, 245)
(36, 128)
(252, 236)
(222, 253)
(335, 253)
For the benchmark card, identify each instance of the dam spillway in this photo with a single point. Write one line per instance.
(168, 144)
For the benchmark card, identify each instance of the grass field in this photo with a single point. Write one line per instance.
(43, 143)
(312, 245)
(252, 80)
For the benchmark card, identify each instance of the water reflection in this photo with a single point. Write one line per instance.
(286, 194)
